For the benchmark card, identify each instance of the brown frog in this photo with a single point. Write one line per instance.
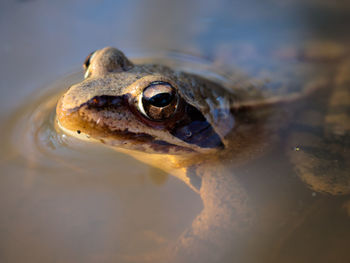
(188, 125)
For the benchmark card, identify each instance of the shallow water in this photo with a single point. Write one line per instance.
(68, 201)
(64, 200)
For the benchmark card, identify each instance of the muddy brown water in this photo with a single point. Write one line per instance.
(64, 200)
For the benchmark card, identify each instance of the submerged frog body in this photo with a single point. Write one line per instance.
(186, 125)
(154, 109)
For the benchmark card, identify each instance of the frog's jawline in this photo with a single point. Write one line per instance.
(139, 141)
(205, 136)
(116, 138)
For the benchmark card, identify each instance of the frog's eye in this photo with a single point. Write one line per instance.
(87, 61)
(158, 101)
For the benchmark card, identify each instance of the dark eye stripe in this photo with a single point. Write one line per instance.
(196, 130)
(105, 101)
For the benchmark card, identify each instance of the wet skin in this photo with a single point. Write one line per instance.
(178, 122)
(181, 123)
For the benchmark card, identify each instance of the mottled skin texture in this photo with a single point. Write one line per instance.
(123, 120)
(105, 107)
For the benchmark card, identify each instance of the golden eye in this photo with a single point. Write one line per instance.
(158, 101)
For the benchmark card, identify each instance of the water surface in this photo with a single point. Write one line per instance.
(63, 200)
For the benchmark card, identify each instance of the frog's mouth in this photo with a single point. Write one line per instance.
(139, 142)
(115, 124)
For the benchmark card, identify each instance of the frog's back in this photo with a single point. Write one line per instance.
(308, 89)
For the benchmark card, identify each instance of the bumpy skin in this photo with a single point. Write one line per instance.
(209, 123)
(106, 78)
(117, 122)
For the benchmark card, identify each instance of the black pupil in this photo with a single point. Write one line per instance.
(161, 99)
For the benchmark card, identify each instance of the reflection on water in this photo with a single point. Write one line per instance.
(83, 200)
(63, 200)
(87, 206)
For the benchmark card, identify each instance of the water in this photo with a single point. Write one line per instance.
(63, 200)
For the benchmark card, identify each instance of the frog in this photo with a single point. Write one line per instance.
(187, 125)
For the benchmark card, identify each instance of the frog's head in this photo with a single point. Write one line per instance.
(148, 108)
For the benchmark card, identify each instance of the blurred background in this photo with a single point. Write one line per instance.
(41, 40)
(56, 208)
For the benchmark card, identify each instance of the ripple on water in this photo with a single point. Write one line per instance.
(34, 134)
(61, 187)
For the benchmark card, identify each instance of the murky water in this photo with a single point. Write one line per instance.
(65, 200)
